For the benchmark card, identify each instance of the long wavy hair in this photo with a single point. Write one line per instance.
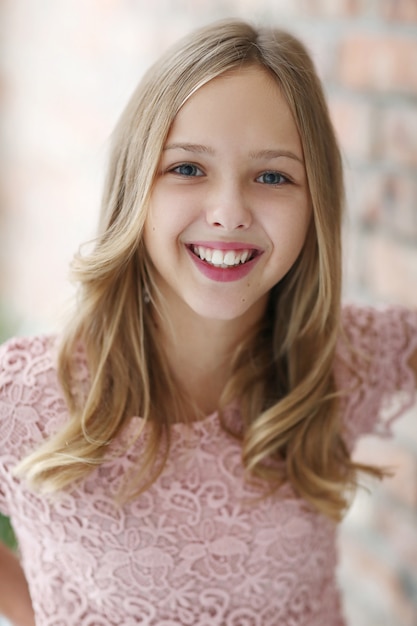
(283, 372)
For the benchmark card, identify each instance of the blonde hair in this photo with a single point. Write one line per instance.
(282, 373)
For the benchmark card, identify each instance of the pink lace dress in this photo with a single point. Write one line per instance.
(193, 550)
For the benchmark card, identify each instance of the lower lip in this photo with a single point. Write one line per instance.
(221, 274)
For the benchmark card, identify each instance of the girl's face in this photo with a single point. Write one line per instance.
(230, 207)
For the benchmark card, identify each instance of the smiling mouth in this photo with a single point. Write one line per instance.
(225, 259)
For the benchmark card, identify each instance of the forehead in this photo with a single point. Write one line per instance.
(244, 105)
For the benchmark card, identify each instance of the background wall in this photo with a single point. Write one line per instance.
(67, 68)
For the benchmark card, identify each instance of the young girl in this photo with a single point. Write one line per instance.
(181, 453)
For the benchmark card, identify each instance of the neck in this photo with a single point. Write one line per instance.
(199, 352)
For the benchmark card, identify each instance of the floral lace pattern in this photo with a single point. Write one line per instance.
(194, 549)
(372, 367)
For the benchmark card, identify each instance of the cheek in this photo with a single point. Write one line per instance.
(155, 230)
(169, 214)
(290, 238)
(161, 236)
(289, 230)
(152, 237)
(149, 234)
(302, 229)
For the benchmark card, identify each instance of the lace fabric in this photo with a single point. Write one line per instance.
(195, 549)
(372, 369)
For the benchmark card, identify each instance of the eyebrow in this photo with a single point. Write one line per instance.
(260, 154)
(190, 147)
(275, 154)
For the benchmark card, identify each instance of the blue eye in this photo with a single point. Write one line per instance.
(272, 178)
(187, 170)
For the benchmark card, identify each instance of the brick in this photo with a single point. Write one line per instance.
(380, 253)
(397, 136)
(399, 10)
(398, 203)
(385, 200)
(323, 52)
(378, 62)
(269, 8)
(332, 8)
(370, 575)
(353, 124)
(400, 536)
(361, 195)
(388, 270)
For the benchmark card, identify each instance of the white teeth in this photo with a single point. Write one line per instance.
(222, 258)
(230, 258)
(217, 257)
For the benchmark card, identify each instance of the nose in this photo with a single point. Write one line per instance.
(227, 207)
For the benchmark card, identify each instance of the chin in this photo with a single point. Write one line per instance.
(223, 311)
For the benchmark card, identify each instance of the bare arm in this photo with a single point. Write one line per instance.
(15, 602)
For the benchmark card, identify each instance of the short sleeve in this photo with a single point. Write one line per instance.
(372, 371)
(24, 364)
(6, 422)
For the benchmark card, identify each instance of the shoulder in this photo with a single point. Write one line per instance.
(370, 335)
(370, 324)
(366, 316)
(30, 396)
(372, 367)
(19, 355)
(376, 336)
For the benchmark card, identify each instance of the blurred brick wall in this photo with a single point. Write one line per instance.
(67, 68)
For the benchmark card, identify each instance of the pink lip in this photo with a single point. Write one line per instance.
(220, 274)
